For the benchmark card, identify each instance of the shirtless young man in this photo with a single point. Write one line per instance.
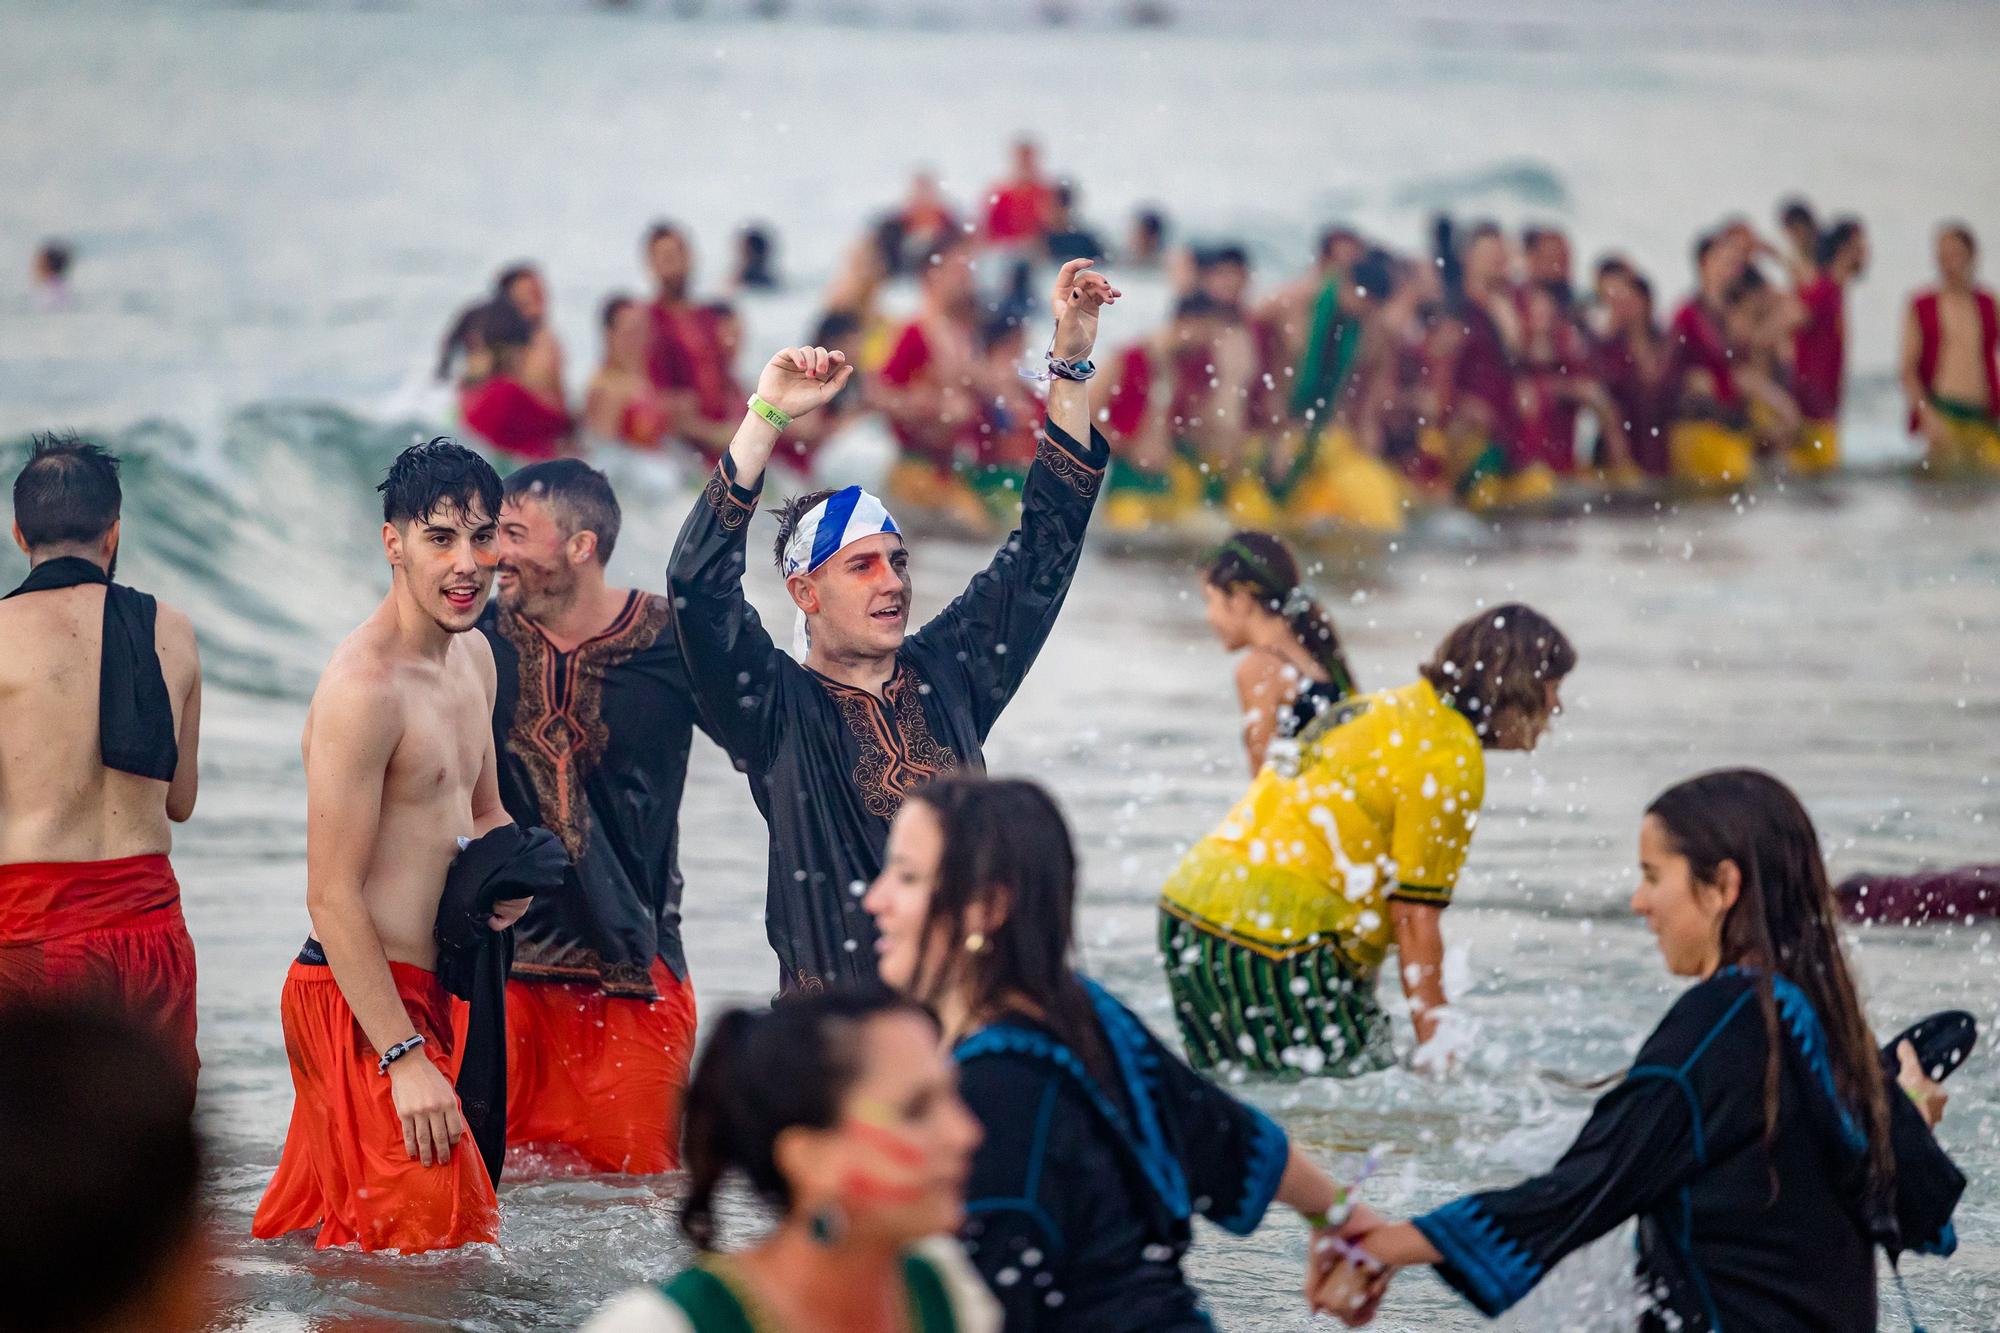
(100, 710)
(1951, 360)
(399, 767)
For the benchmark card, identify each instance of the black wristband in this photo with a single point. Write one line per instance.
(397, 1052)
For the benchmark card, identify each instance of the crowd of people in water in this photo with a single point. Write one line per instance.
(1485, 371)
(951, 1126)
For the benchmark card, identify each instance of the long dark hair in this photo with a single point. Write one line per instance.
(1005, 838)
(1498, 662)
(1786, 922)
(1265, 566)
(761, 1072)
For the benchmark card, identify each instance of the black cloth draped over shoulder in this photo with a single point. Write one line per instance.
(135, 715)
(829, 765)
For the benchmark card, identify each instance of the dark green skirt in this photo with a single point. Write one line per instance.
(1310, 1012)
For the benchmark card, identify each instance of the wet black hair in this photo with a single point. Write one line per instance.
(1006, 844)
(439, 476)
(1796, 212)
(761, 1072)
(1498, 662)
(500, 324)
(1200, 305)
(1219, 255)
(614, 305)
(100, 1161)
(1835, 239)
(1786, 920)
(1375, 274)
(1266, 567)
(510, 275)
(577, 494)
(836, 326)
(759, 250)
(788, 514)
(68, 492)
(1962, 233)
(1151, 221)
(56, 257)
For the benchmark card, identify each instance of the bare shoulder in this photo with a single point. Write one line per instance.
(358, 687)
(172, 626)
(476, 654)
(1260, 674)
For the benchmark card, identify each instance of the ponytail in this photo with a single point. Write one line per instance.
(1265, 567)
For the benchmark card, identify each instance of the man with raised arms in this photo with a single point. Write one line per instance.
(100, 709)
(833, 741)
(399, 770)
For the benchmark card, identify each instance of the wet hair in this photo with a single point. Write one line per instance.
(1785, 921)
(1962, 233)
(500, 324)
(67, 493)
(513, 273)
(1334, 235)
(101, 1162)
(439, 476)
(1200, 305)
(789, 514)
(836, 326)
(1220, 256)
(761, 1072)
(1152, 222)
(56, 257)
(1006, 838)
(1797, 212)
(576, 493)
(1835, 239)
(614, 306)
(1375, 274)
(1265, 566)
(1498, 663)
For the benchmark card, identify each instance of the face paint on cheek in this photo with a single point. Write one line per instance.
(485, 558)
(863, 1187)
(888, 1142)
(892, 1171)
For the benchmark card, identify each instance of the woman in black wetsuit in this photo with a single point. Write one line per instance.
(1294, 669)
(1757, 1137)
(1101, 1145)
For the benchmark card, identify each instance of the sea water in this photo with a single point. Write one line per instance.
(277, 209)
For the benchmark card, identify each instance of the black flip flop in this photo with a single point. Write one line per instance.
(1942, 1042)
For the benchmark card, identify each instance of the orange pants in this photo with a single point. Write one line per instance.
(345, 1168)
(109, 929)
(597, 1074)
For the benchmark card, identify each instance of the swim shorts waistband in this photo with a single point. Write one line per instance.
(47, 900)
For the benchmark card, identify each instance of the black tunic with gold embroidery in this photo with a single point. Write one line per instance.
(830, 765)
(593, 745)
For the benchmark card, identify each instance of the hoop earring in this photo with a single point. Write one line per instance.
(975, 942)
(827, 1226)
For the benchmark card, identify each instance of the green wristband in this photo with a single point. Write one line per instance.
(778, 419)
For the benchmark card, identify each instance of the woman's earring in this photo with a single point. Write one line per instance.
(975, 942)
(827, 1226)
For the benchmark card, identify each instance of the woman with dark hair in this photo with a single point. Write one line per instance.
(1273, 928)
(1294, 669)
(514, 408)
(1757, 1137)
(1100, 1145)
(842, 1115)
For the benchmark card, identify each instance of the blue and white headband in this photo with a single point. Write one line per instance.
(828, 528)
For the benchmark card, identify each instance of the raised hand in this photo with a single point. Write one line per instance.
(1078, 296)
(799, 379)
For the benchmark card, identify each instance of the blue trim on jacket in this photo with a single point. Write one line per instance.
(1496, 1267)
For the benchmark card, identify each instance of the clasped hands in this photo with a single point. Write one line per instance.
(1343, 1278)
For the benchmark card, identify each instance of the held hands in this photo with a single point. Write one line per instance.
(428, 1106)
(1078, 296)
(799, 379)
(1342, 1279)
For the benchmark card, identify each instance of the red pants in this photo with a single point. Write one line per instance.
(598, 1074)
(109, 929)
(345, 1168)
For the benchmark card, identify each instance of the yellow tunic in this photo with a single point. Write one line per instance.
(1382, 806)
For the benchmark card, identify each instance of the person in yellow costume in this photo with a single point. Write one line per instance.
(1274, 927)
